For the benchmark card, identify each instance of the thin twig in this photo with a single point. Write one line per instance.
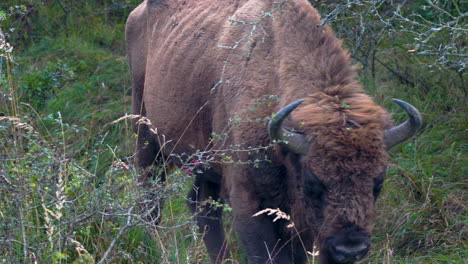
(117, 237)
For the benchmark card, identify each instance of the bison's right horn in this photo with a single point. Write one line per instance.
(401, 133)
(294, 142)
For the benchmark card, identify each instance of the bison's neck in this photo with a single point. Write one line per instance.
(288, 56)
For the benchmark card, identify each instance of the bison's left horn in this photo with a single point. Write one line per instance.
(293, 142)
(401, 133)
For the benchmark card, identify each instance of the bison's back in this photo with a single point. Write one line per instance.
(180, 58)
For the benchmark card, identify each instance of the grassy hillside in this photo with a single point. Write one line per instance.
(69, 188)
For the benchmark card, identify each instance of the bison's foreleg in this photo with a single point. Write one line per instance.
(262, 239)
(204, 202)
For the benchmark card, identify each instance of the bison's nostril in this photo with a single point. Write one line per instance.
(349, 253)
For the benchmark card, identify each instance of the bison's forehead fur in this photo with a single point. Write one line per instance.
(345, 129)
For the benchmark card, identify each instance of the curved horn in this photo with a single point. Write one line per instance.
(294, 142)
(402, 132)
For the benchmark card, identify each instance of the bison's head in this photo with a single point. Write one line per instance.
(337, 173)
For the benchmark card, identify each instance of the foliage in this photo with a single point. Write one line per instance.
(70, 191)
(426, 33)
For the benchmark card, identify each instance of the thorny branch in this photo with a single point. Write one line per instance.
(127, 225)
(255, 25)
(437, 38)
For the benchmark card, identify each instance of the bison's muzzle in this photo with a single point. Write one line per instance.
(346, 248)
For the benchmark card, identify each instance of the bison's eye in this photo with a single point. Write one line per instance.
(378, 183)
(313, 188)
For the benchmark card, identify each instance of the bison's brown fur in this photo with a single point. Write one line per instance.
(190, 85)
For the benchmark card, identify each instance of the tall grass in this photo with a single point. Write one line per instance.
(70, 191)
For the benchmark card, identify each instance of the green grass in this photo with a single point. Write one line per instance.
(66, 196)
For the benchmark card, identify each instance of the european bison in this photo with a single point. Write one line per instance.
(209, 74)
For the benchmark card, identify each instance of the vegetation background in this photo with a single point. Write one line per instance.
(69, 188)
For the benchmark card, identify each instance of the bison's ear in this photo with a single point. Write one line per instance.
(294, 142)
(403, 132)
